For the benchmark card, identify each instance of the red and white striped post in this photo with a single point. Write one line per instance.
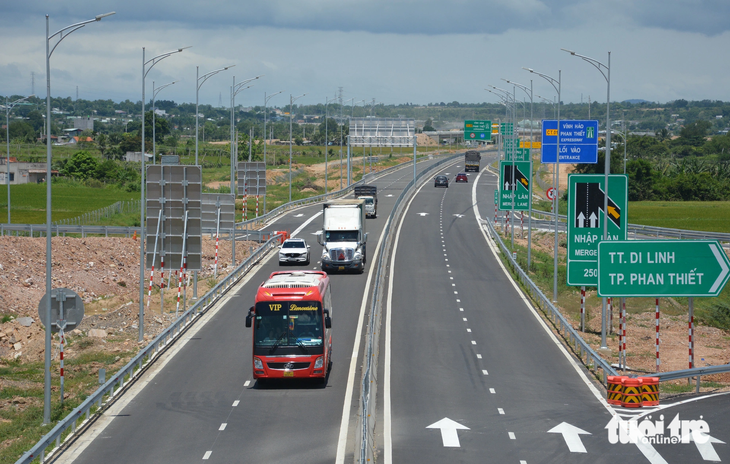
(154, 255)
(63, 342)
(623, 323)
(583, 309)
(257, 206)
(620, 339)
(656, 339)
(162, 279)
(217, 233)
(243, 213)
(691, 324)
(522, 224)
(495, 211)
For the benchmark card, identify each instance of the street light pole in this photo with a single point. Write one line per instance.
(327, 101)
(143, 204)
(199, 84)
(605, 71)
(155, 91)
(62, 34)
(8, 107)
(266, 100)
(234, 91)
(556, 83)
(291, 102)
(529, 156)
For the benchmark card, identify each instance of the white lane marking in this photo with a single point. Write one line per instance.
(479, 356)
(206, 456)
(246, 383)
(223, 426)
(448, 265)
(389, 195)
(492, 247)
(458, 300)
(464, 319)
(305, 224)
(455, 292)
(451, 278)
(387, 407)
(511, 435)
(298, 215)
(500, 410)
(473, 342)
(345, 421)
(449, 271)
(422, 214)
(461, 309)
(453, 285)
(468, 330)
(449, 434)
(484, 371)
(116, 408)
(523, 462)
(492, 391)
(235, 403)
(571, 434)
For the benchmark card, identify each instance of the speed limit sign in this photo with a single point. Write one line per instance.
(551, 193)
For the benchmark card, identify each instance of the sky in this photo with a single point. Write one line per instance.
(393, 51)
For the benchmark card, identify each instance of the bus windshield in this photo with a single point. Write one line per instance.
(284, 324)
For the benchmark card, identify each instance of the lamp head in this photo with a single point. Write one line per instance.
(99, 17)
(569, 51)
(184, 48)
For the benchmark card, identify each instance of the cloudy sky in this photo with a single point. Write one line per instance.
(395, 51)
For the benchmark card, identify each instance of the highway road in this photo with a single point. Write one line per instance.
(202, 404)
(470, 371)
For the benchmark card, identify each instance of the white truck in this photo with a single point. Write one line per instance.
(343, 236)
(369, 193)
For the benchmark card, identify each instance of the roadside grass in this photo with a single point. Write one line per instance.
(709, 216)
(20, 421)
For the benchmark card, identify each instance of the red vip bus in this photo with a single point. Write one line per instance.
(291, 318)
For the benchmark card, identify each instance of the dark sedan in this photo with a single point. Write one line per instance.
(441, 181)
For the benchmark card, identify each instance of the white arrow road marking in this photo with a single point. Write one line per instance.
(704, 442)
(459, 215)
(299, 215)
(423, 214)
(389, 195)
(449, 434)
(722, 264)
(571, 435)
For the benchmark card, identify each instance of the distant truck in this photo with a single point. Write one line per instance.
(369, 193)
(343, 236)
(471, 160)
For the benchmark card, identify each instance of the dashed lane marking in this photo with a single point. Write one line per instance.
(223, 426)
(206, 456)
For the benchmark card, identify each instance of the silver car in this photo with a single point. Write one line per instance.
(294, 250)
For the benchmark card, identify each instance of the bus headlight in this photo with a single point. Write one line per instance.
(319, 362)
(257, 364)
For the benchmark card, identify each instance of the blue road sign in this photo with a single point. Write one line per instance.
(578, 141)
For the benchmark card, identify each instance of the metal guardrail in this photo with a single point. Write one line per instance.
(80, 416)
(366, 430)
(112, 388)
(696, 372)
(580, 346)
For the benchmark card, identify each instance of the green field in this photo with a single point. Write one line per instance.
(709, 216)
(28, 201)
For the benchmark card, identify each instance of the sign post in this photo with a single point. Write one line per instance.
(585, 222)
(662, 268)
(478, 130)
(578, 141)
(514, 184)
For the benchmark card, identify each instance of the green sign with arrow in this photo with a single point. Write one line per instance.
(586, 194)
(514, 180)
(660, 268)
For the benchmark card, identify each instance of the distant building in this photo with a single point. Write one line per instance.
(23, 173)
(83, 123)
(76, 140)
(136, 157)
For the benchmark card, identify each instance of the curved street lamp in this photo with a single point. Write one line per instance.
(605, 71)
(556, 83)
(147, 65)
(235, 89)
(60, 34)
(155, 91)
(326, 142)
(8, 107)
(291, 102)
(198, 84)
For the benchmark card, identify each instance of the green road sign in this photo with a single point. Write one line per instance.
(478, 130)
(657, 268)
(507, 128)
(521, 170)
(521, 154)
(585, 222)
